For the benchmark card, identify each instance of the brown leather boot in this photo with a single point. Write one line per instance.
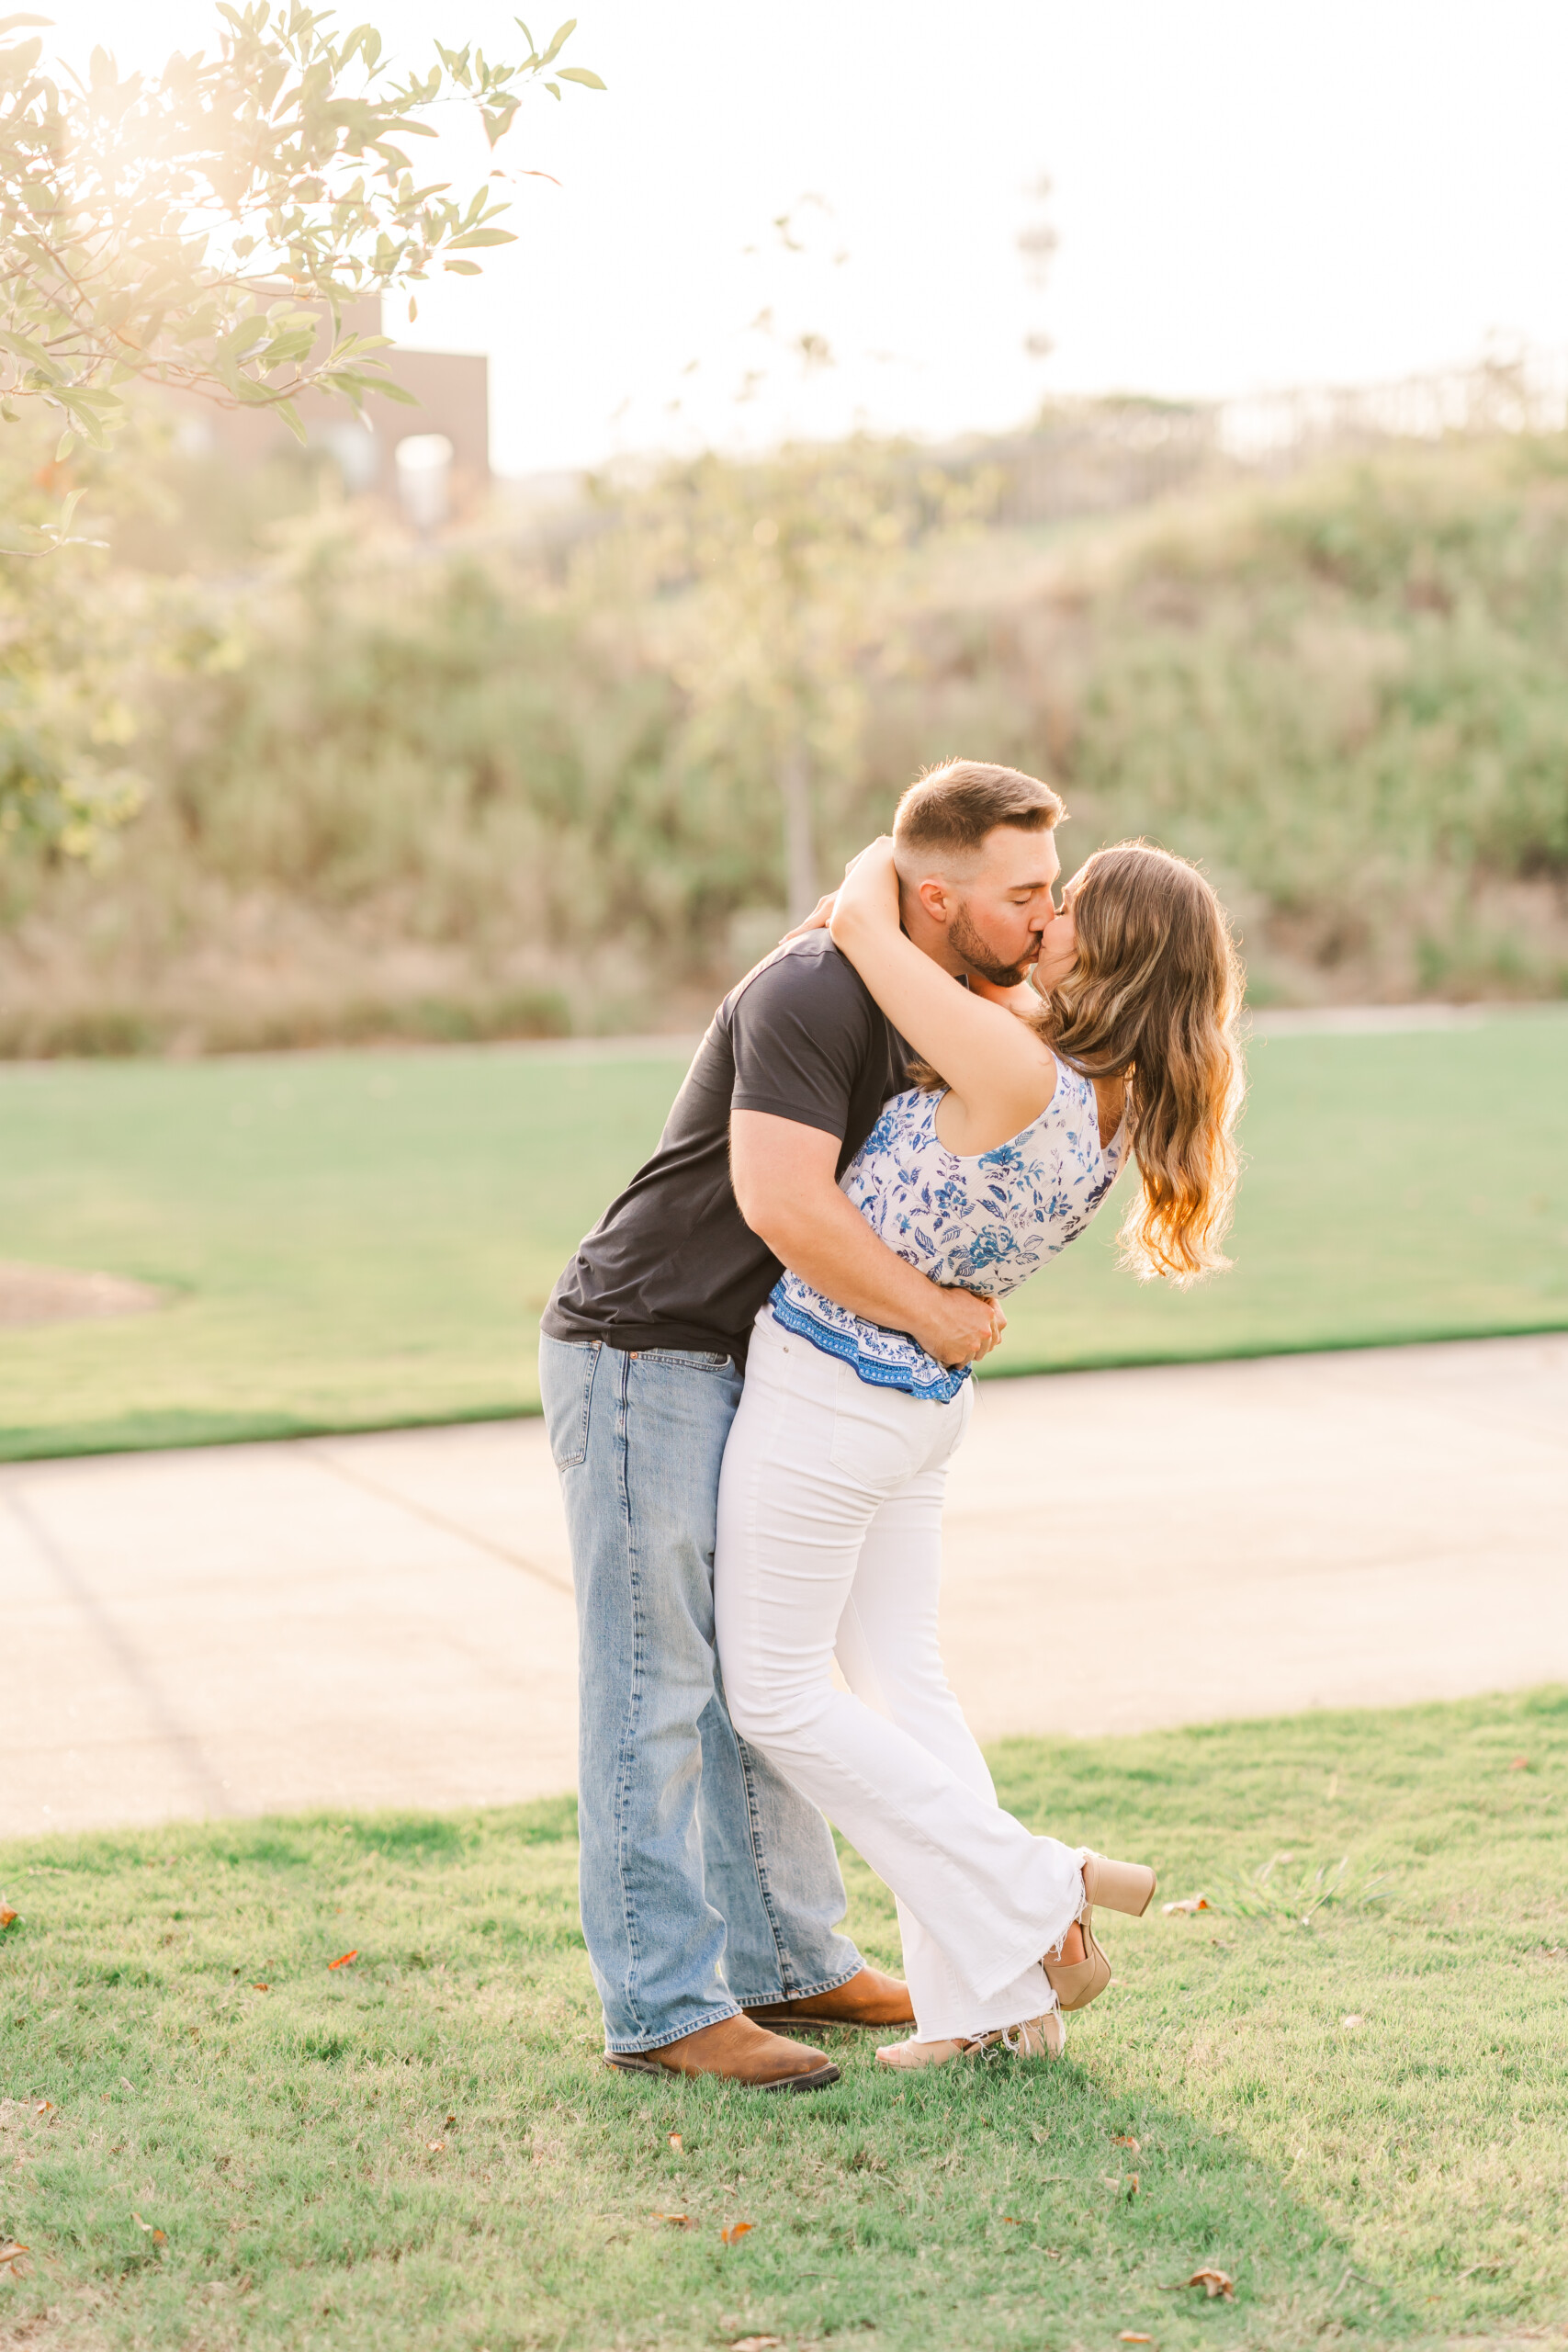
(871, 1998)
(739, 2052)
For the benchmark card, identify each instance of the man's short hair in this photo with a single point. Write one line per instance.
(947, 813)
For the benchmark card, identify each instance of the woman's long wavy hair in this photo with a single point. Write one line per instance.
(1154, 997)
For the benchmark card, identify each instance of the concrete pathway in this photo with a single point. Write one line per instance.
(387, 1620)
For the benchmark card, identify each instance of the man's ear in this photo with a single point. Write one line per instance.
(936, 897)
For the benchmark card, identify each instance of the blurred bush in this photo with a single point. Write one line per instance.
(570, 777)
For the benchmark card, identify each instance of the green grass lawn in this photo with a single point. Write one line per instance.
(360, 1238)
(1363, 2119)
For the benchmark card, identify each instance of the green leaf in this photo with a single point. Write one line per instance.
(24, 538)
(285, 348)
(563, 34)
(481, 237)
(33, 352)
(581, 74)
(291, 417)
(67, 443)
(462, 268)
(16, 64)
(249, 332)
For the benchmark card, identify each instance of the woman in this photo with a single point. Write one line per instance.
(830, 1499)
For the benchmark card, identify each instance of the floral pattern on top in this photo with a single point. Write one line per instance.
(985, 1223)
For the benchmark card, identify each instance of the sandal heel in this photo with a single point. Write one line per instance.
(1119, 1886)
(1077, 1983)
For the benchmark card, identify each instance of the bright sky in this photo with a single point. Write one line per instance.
(1247, 193)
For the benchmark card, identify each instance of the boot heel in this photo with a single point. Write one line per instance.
(1119, 1886)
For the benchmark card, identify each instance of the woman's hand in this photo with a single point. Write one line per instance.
(867, 898)
(822, 915)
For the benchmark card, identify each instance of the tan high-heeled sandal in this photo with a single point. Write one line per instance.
(1117, 1886)
(1042, 2037)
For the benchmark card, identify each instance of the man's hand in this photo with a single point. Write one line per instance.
(959, 1327)
(786, 1179)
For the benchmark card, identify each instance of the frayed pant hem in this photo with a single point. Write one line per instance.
(646, 2049)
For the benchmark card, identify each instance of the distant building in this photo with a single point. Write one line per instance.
(398, 450)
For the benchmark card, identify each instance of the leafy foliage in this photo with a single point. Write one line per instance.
(198, 230)
(73, 660)
(175, 227)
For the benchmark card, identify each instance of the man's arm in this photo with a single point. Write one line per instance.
(785, 1184)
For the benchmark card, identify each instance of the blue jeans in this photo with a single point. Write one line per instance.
(707, 1884)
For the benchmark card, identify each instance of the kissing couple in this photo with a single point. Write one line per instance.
(755, 1371)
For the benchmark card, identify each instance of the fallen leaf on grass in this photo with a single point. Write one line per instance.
(1520, 1764)
(1354, 2019)
(343, 1958)
(1213, 2282)
(676, 2221)
(44, 2107)
(267, 1988)
(676, 2141)
(11, 2253)
(435, 2146)
(449, 2122)
(8, 1917)
(755, 2342)
(735, 2230)
(159, 2237)
(1188, 1903)
(1014, 2219)
(1123, 2140)
(1129, 2336)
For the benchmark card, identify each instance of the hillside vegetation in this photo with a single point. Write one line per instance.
(558, 781)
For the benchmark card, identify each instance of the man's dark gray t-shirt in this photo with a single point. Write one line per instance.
(673, 1263)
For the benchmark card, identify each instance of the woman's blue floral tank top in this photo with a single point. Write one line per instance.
(985, 1223)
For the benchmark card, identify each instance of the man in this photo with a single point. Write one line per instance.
(710, 1890)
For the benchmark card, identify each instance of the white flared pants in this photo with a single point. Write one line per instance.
(830, 1543)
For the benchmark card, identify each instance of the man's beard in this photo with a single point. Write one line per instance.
(961, 931)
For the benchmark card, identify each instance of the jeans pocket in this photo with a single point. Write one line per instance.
(691, 1359)
(567, 1393)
